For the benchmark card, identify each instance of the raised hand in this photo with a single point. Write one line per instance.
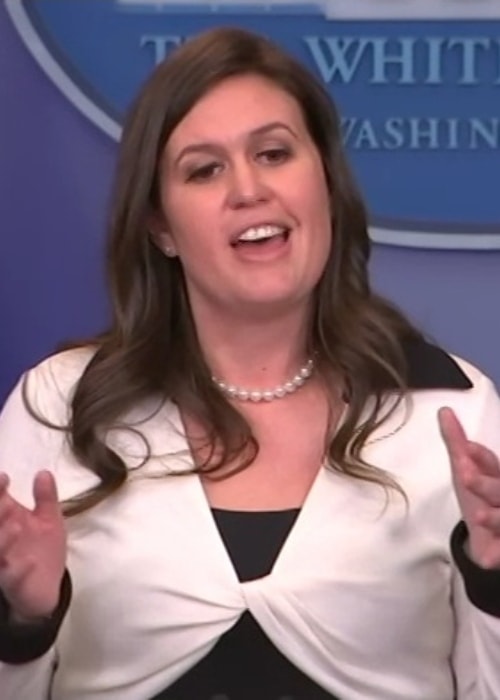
(32, 549)
(476, 478)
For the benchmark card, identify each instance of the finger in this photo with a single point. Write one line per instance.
(45, 495)
(6, 509)
(486, 488)
(4, 482)
(7, 503)
(489, 519)
(486, 460)
(452, 433)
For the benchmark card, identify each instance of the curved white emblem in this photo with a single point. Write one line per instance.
(387, 233)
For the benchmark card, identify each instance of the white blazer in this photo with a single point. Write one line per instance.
(366, 601)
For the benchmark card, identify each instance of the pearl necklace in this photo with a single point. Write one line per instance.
(280, 391)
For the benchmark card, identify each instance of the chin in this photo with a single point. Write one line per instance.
(272, 303)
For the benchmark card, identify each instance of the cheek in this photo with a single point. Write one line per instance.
(316, 201)
(321, 226)
(190, 219)
(315, 191)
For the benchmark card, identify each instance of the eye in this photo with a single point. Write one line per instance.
(203, 173)
(274, 156)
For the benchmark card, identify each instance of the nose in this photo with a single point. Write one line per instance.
(247, 185)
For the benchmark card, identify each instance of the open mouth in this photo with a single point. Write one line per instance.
(262, 237)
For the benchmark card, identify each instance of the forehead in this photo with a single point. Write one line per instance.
(234, 108)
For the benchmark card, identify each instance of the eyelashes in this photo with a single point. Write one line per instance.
(203, 172)
(269, 156)
(275, 156)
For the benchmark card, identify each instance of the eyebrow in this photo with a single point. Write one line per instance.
(210, 146)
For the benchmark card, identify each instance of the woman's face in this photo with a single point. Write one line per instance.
(244, 200)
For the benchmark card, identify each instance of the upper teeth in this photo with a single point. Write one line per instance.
(256, 233)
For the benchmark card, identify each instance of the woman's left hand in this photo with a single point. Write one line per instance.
(476, 478)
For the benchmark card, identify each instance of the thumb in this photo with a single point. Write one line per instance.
(45, 495)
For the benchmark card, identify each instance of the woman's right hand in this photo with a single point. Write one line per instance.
(32, 550)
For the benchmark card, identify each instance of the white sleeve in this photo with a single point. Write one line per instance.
(27, 446)
(476, 592)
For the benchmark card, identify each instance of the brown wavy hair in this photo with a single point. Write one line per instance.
(151, 347)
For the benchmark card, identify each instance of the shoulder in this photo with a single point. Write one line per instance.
(482, 396)
(437, 378)
(476, 376)
(49, 385)
(63, 368)
(39, 404)
(431, 367)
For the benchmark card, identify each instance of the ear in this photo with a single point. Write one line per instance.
(164, 241)
(161, 237)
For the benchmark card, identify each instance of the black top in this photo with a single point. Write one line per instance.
(244, 664)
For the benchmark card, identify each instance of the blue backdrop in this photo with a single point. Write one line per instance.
(55, 174)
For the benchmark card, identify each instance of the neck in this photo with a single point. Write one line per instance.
(254, 353)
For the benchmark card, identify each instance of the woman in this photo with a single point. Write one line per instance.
(259, 500)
